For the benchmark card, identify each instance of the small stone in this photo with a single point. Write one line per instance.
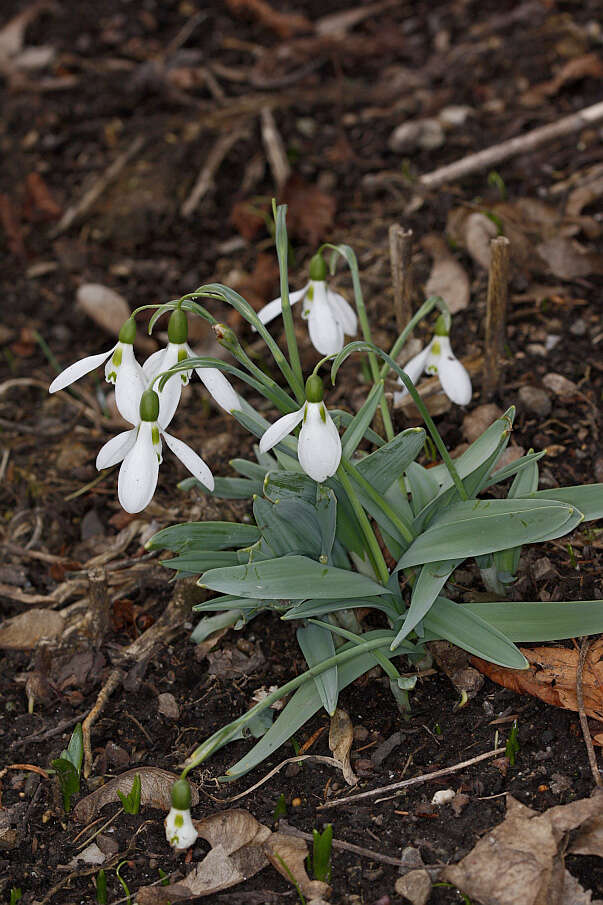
(579, 327)
(476, 422)
(419, 133)
(443, 796)
(167, 706)
(72, 455)
(91, 855)
(542, 569)
(559, 385)
(415, 886)
(535, 400)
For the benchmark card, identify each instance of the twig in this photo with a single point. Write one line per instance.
(317, 758)
(415, 781)
(99, 604)
(88, 200)
(400, 257)
(275, 150)
(496, 314)
(518, 145)
(592, 758)
(115, 679)
(284, 827)
(211, 166)
(48, 733)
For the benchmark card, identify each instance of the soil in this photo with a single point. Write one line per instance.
(129, 70)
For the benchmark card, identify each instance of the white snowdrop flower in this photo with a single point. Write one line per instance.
(139, 451)
(121, 368)
(443, 796)
(180, 831)
(438, 358)
(319, 444)
(328, 314)
(178, 350)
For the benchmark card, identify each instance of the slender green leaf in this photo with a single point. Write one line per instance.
(250, 470)
(289, 526)
(316, 645)
(281, 485)
(210, 624)
(204, 536)
(225, 488)
(531, 621)
(454, 622)
(422, 485)
(326, 512)
(321, 607)
(588, 498)
(384, 466)
(432, 578)
(290, 578)
(195, 562)
(513, 468)
(357, 427)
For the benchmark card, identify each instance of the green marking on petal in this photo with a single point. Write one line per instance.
(117, 356)
(310, 293)
(436, 348)
(178, 820)
(155, 435)
(323, 412)
(305, 412)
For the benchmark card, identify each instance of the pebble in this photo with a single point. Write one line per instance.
(419, 133)
(535, 400)
(559, 385)
(579, 327)
(443, 796)
(476, 422)
(168, 706)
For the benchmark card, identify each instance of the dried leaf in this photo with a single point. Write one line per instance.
(447, 277)
(311, 211)
(40, 198)
(109, 310)
(479, 230)
(341, 736)
(285, 25)
(288, 855)
(229, 662)
(584, 195)
(247, 219)
(455, 663)
(521, 860)
(587, 66)
(12, 34)
(552, 676)
(25, 631)
(237, 853)
(155, 791)
(567, 260)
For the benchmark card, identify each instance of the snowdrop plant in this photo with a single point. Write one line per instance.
(438, 358)
(345, 517)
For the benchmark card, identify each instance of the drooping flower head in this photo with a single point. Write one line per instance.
(180, 831)
(438, 358)
(319, 444)
(121, 369)
(139, 450)
(329, 315)
(178, 350)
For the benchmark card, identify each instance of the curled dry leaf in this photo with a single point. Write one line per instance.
(237, 853)
(552, 676)
(109, 310)
(568, 260)
(288, 855)
(521, 860)
(25, 631)
(447, 277)
(155, 791)
(341, 736)
(479, 231)
(456, 664)
(310, 210)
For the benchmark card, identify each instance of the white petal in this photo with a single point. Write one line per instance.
(180, 830)
(344, 312)
(78, 369)
(326, 333)
(152, 365)
(138, 473)
(116, 449)
(275, 307)
(413, 369)
(279, 430)
(191, 460)
(455, 380)
(219, 388)
(129, 386)
(319, 445)
(169, 396)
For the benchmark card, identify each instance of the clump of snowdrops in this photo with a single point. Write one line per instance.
(324, 512)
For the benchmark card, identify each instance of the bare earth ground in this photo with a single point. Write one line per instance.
(184, 77)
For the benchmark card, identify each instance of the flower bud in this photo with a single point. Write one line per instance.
(314, 388)
(178, 327)
(127, 334)
(181, 795)
(149, 406)
(318, 268)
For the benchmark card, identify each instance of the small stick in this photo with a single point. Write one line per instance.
(275, 150)
(114, 680)
(518, 145)
(211, 166)
(496, 314)
(415, 781)
(80, 208)
(400, 257)
(99, 604)
(592, 758)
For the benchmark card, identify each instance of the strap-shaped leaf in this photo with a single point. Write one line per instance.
(316, 645)
(251, 470)
(289, 526)
(537, 621)
(281, 485)
(357, 427)
(384, 466)
(478, 451)
(474, 527)
(194, 562)
(225, 488)
(456, 623)
(204, 536)
(309, 608)
(289, 578)
(326, 512)
(431, 580)
(422, 485)
(588, 498)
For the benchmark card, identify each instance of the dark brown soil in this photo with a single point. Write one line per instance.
(335, 118)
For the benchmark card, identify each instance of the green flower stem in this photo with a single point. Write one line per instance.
(380, 501)
(222, 736)
(432, 302)
(273, 391)
(348, 253)
(281, 251)
(388, 667)
(374, 550)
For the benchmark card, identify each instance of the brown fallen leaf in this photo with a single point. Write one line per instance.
(155, 791)
(25, 631)
(257, 286)
(455, 663)
(552, 676)
(285, 25)
(583, 195)
(237, 853)
(341, 736)
(109, 310)
(310, 211)
(479, 230)
(522, 859)
(41, 205)
(248, 218)
(587, 66)
(12, 35)
(567, 260)
(447, 278)
(288, 855)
